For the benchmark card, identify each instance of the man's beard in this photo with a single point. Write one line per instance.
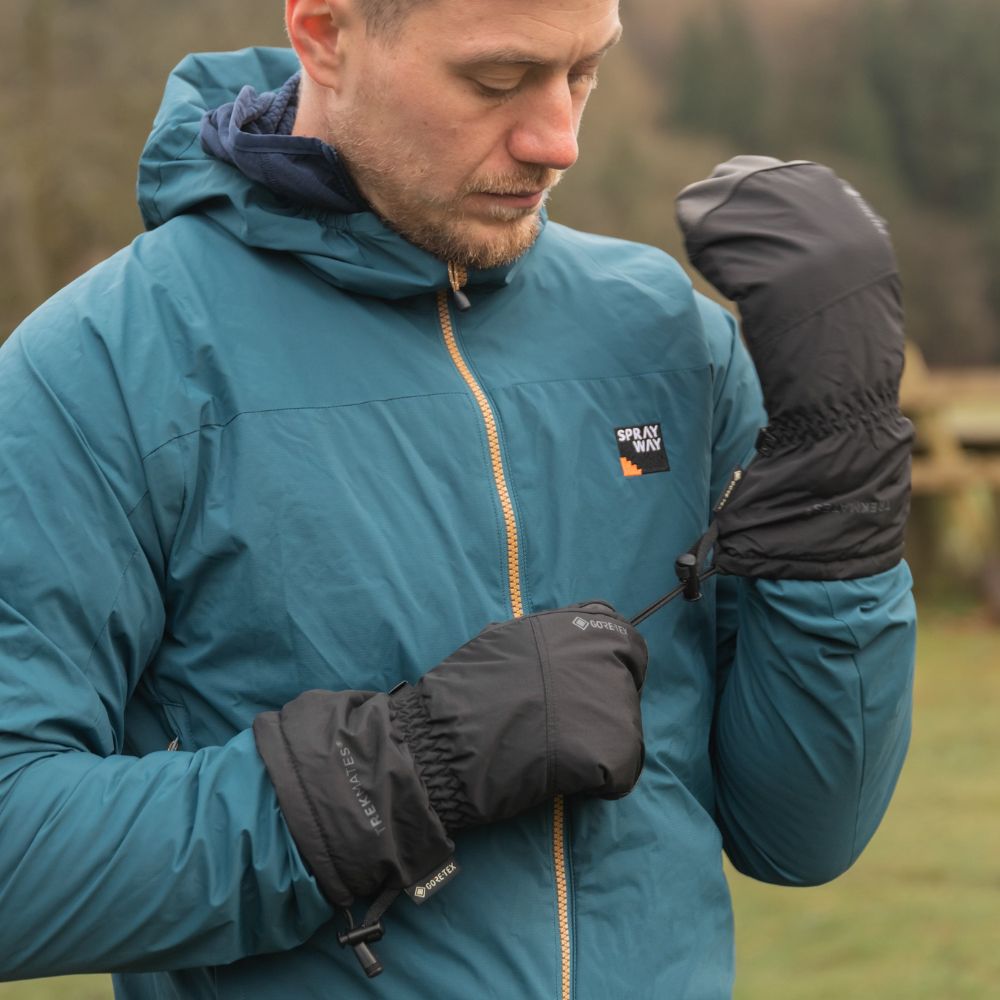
(443, 226)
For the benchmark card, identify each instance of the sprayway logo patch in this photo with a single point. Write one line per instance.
(641, 450)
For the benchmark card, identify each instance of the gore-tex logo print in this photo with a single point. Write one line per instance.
(641, 450)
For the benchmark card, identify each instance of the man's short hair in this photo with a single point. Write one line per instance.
(383, 17)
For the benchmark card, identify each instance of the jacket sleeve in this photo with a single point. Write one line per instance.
(814, 685)
(110, 862)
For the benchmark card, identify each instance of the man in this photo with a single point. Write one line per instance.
(350, 400)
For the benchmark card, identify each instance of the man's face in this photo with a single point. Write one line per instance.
(457, 126)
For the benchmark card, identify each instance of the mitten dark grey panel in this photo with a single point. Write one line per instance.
(373, 785)
(812, 269)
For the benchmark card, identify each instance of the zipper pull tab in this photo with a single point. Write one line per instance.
(727, 495)
(458, 278)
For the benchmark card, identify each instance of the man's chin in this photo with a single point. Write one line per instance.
(484, 245)
(480, 240)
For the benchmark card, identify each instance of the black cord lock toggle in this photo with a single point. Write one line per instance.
(686, 568)
(359, 939)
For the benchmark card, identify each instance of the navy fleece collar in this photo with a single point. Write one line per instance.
(253, 133)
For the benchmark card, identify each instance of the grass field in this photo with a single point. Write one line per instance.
(918, 918)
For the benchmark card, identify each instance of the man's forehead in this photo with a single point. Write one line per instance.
(531, 31)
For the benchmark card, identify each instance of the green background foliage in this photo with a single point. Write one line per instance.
(899, 95)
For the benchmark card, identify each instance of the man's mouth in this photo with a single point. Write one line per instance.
(526, 200)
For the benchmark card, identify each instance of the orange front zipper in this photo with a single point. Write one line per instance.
(493, 439)
(562, 890)
(458, 277)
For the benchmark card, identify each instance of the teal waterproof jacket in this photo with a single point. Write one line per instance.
(260, 452)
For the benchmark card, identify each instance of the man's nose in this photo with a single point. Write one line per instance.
(546, 130)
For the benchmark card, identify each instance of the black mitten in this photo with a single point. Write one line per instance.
(814, 274)
(372, 786)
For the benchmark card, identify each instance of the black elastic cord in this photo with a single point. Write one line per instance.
(706, 543)
(688, 572)
(664, 601)
(382, 903)
(653, 608)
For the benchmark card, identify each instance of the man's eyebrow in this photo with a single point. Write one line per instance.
(513, 56)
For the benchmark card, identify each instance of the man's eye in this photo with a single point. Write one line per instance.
(583, 81)
(496, 93)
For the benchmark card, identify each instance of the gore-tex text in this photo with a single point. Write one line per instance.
(584, 623)
(368, 807)
(428, 886)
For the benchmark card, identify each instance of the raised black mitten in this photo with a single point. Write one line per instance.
(373, 785)
(814, 274)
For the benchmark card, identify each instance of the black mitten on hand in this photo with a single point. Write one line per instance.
(372, 786)
(814, 274)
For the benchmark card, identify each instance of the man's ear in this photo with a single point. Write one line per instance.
(316, 29)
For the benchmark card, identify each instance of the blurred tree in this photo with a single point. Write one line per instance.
(26, 172)
(935, 68)
(897, 92)
(82, 80)
(991, 242)
(731, 97)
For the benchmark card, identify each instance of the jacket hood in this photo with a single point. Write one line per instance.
(220, 147)
(254, 134)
